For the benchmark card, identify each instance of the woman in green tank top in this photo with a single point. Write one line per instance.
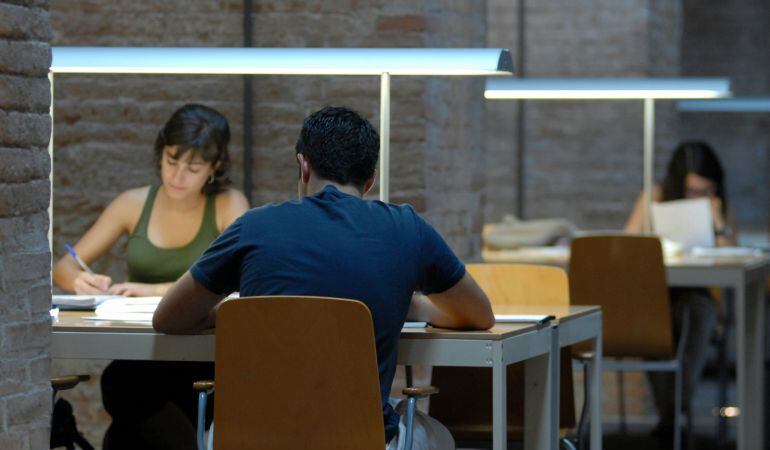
(169, 224)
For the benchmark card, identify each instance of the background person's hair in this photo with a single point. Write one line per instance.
(204, 131)
(340, 144)
(693, 157)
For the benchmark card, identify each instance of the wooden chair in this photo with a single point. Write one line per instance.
(626, 276)
(297, 372)
(468, 412)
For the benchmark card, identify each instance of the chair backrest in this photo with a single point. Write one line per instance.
(468, 412)
(296, 372)
(522, 284)
(626, 276)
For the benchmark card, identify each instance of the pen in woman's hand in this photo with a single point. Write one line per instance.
(77, 259)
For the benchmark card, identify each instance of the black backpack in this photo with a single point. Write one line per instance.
(64, 432)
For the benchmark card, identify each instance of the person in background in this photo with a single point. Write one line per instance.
(694, 171)
(334, 243)
(169, 225)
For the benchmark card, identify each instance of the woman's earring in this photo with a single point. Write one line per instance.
(211, 179)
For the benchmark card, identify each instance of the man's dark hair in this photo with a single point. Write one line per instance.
(341, 145)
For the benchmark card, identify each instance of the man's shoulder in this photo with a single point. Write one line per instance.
(271, 209)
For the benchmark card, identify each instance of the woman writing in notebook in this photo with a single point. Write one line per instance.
(694, 171)
(169, 225)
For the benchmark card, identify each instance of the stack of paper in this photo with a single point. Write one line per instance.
(134, 309)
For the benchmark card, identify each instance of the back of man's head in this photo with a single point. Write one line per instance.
(341, 145)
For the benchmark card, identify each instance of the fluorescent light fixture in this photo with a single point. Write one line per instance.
(382, 62)
(746, 104)
(607, 88)
(282, 61)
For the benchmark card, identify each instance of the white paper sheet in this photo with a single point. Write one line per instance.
(686, 221)
(522, 318)
(145, 305)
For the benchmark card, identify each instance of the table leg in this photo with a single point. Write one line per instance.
(538, 404)
(595, 404)
(741, 364)
(752, 412)
(499, 401)
(555, 395)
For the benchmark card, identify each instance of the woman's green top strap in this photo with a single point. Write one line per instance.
(148, 263)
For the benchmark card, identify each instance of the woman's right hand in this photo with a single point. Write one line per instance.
(90, 284)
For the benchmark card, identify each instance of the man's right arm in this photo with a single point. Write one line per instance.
(463, 306)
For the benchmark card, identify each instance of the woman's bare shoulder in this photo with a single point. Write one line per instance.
(231, 198)
(230, 204)
(132, 198)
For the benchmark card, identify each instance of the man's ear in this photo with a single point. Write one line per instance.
(304, 168)
(370, 183)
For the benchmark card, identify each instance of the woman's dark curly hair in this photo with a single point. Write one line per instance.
(204, 131)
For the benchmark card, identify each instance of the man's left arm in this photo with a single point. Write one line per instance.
(187, 307)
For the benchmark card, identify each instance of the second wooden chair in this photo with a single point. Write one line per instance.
(626, 276)
(468, 412)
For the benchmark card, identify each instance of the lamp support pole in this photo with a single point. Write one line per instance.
(649, 142)
(385, 136)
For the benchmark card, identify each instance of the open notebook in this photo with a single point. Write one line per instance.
(81, 302)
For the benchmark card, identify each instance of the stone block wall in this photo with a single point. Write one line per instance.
(25, 258)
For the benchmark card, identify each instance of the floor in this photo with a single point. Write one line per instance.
(638, 436)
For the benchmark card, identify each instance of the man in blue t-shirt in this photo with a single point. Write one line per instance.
(333, 243)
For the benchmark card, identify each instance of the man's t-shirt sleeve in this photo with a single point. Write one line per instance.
(218, 269)
(441, 268)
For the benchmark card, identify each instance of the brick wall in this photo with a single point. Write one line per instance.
(575, 150)
(106, 125)
(730, 39)
(25, 286)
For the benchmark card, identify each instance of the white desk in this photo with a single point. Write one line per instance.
(75, 337)
(746, 276)
(574, 324)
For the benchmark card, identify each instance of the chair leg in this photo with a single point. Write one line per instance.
(411, 403)
(201, 420)
(408, 376)
(211, 437)
(621, 404)
(689, 432)
(678, 408)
